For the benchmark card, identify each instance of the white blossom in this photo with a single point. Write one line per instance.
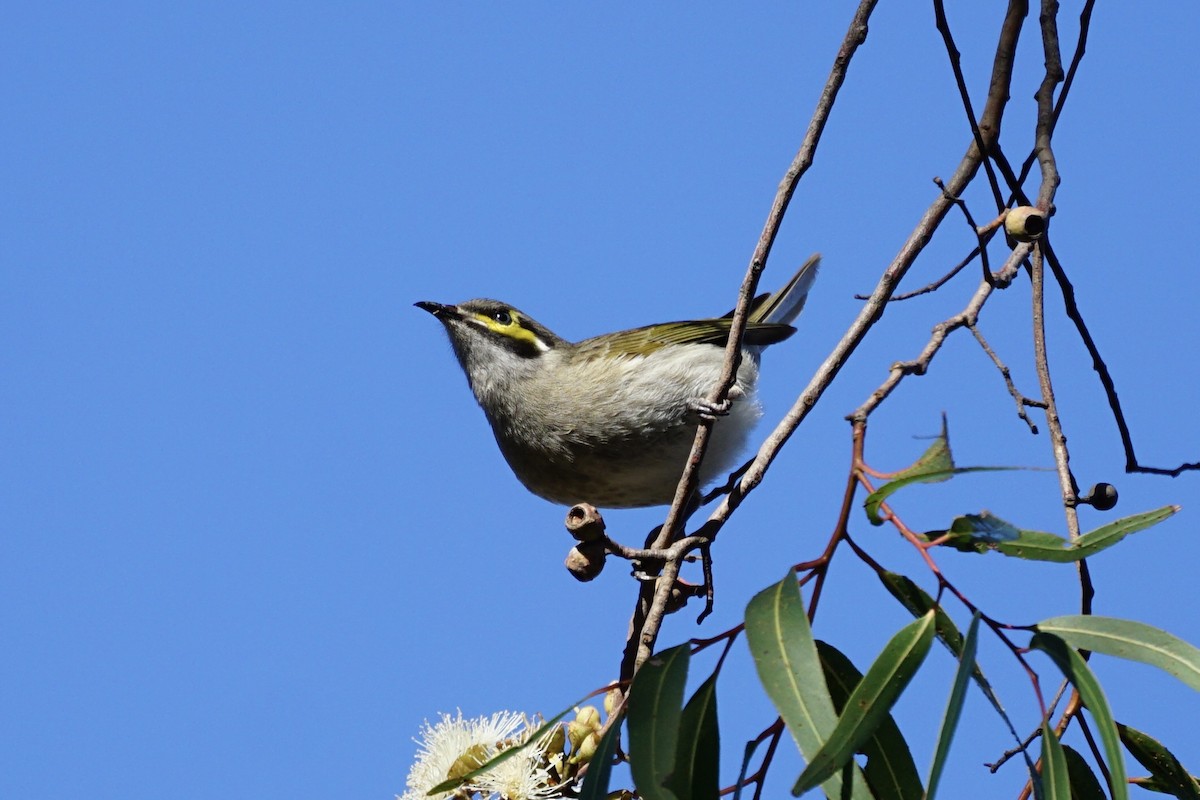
(440, 745)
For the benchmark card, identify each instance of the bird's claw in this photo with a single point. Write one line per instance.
(709, 411)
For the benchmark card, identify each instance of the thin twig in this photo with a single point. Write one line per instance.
(992, 133)
(1106, 380)
(1021, 400)
(873, 309)
(652, 599)
(965, 318)
(1058, 440)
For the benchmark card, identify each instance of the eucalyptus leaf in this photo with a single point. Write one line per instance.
(985, 532)
(1161, 763)
(919, 602)
(653, 713)
(1056, 780)
(789, 668)
(890, 770)
(870, 702)
(1084, 783)
(1080, 675)
(599, 770)
(958, 692)
(1131, 640)
(696, 775)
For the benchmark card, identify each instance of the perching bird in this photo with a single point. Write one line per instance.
(610, 420)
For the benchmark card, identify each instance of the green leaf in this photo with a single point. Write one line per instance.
(935, 464)
(918, 602)
(1077, 672)
(958, 692)
(1056, 781)
(870, 702)
(1115, 531)
(697, 758)
(984, 527)
(655, 699)
(1131, 640)
(595, 781)
(890, 771)
(876, 498)
(984, 532)
(1152, 784)
(785, 656)
(1084, 784)
(1161, 763)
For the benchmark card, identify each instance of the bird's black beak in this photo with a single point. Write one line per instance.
(439, 310)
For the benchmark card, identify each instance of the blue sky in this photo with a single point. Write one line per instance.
(255, 529)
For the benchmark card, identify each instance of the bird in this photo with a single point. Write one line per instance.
(610, 420)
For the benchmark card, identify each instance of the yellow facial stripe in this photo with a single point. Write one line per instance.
(512, 328)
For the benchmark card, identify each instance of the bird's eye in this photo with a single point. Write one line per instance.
(503, 317)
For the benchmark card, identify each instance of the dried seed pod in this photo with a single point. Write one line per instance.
(586, 560)
(1025, 223)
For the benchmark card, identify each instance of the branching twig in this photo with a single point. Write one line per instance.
(977, 128)
(1106, 380)
(647, 617)
(967, 317)
(1021, 400)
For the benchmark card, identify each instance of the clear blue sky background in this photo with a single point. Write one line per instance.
(255, 530)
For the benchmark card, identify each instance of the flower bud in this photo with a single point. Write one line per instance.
(587, 748)
(556, 739)
(612, 699)
(471, 759)
(589, 716)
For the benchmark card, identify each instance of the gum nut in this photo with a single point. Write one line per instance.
(1025, 223)
(585, 522)
(584, 561)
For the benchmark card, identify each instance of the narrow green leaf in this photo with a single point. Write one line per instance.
(1131, 640)
(918, 602)
(1080, 675)
(935, 464)
(1115, 531)
(698, 755)
(654, 709)
(1056, 780)
(890, 770)
(985, 532)
(785, 656)
(876, 498)
(595, 782)
(1161, 762)
(1084, 783)
(958, 692)
(984, 527)
(871, 701)
(1152, 784)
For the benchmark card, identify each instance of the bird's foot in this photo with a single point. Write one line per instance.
(708, 411)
